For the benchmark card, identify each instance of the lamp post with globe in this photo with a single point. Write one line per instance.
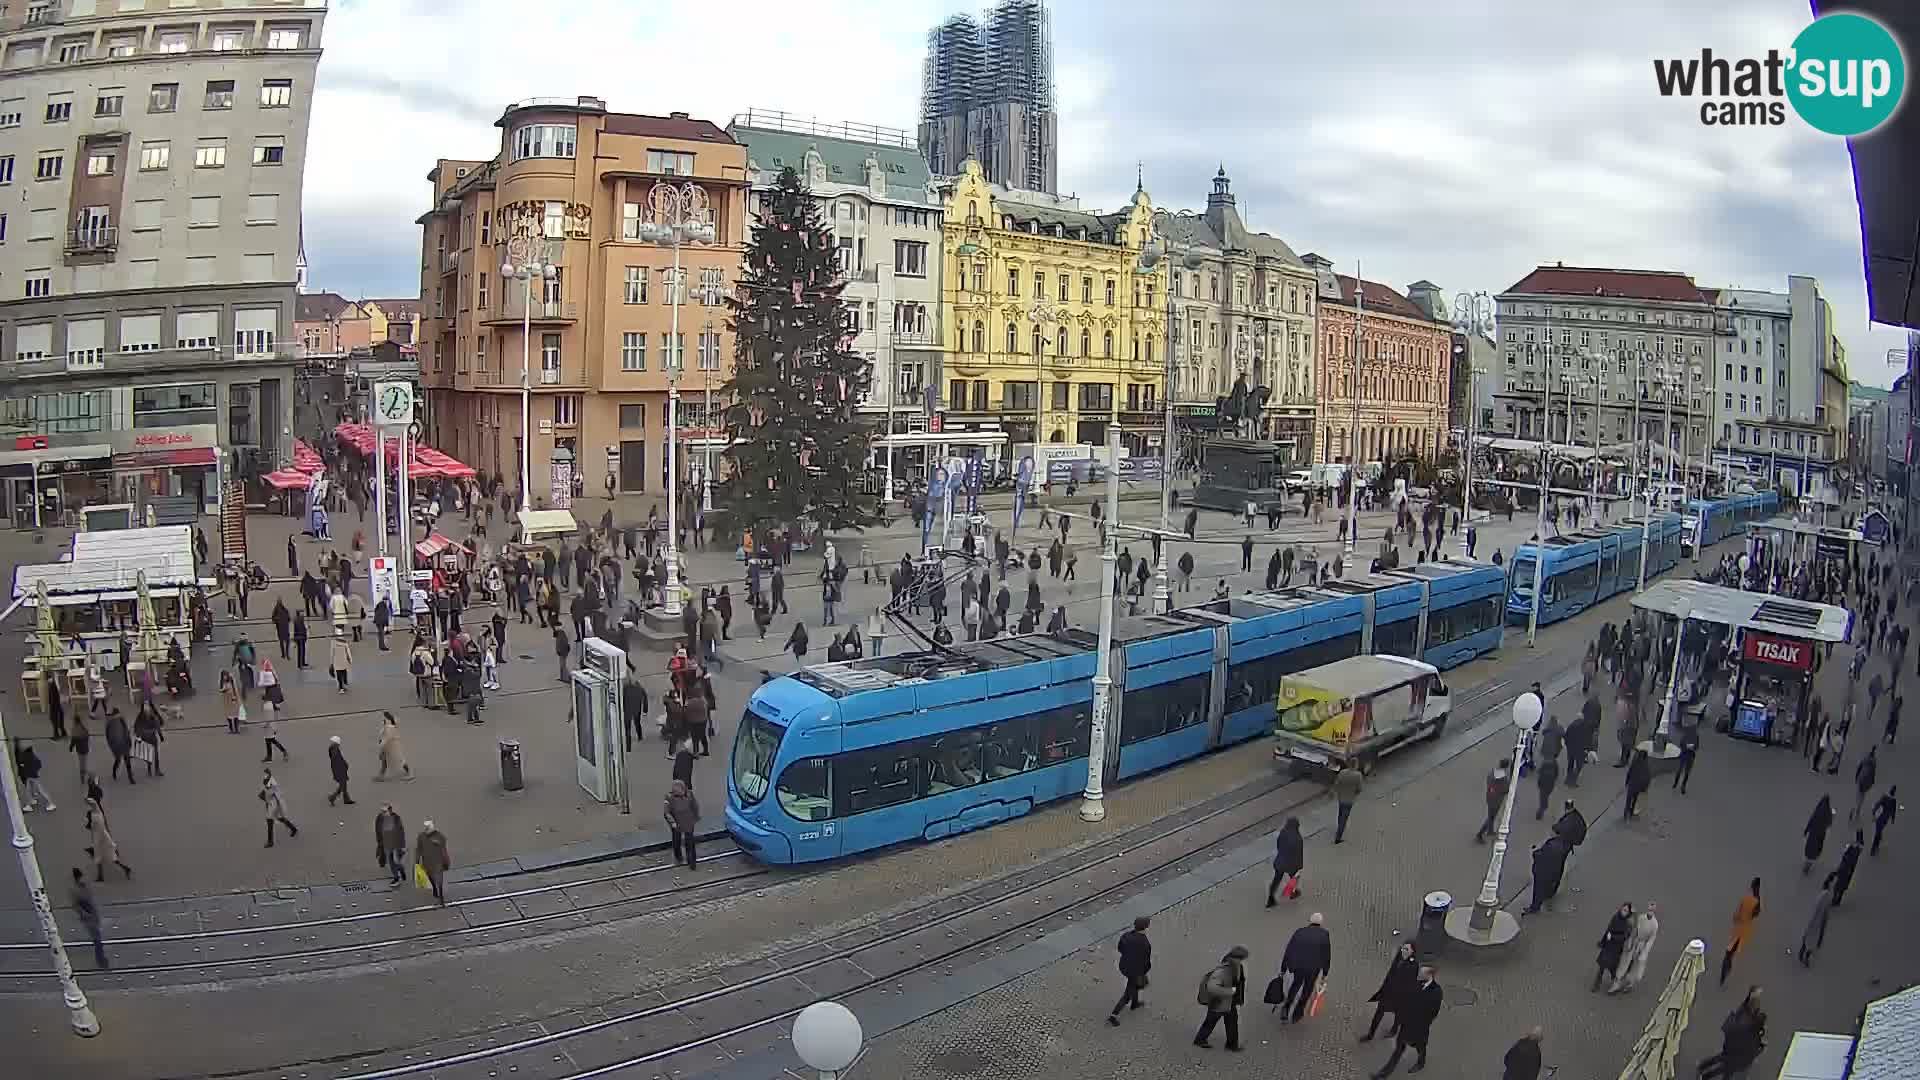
(529, 259)
(1485, 923)
(827, 1037)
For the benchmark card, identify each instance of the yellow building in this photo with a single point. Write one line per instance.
(1050, 325)
(394, 320)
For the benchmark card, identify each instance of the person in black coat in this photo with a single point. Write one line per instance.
(1309, 955)
(1816, 832)
(1838, 881)
(282, 626)
(1136, 959)
(1422, 1005)
(683, 763)
(1613, 944)
(1583, 735)
(1523, 1058)
(1402, 972)
(337, 761)
(1639, 778)
(1289, 858)
(1549, 866)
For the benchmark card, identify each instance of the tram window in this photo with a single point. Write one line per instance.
(1062, 734)
(1440, 627)
(870, 779)
(1155, 710)
(1607, 564)
(1255, 682)
(952, 760)
(1007, 750)
(1580, 579)
(1396, 638)
(803, 790)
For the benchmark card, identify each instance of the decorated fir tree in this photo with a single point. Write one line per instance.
(798, 443)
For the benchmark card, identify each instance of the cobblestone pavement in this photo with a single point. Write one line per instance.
(197, 830)
(1692, 854)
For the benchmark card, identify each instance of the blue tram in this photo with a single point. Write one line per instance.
(1585, 568)
(842, 758)
(1708, 522)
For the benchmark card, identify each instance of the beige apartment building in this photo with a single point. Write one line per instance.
(578, 183)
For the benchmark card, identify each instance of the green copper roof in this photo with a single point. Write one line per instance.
(846, 159)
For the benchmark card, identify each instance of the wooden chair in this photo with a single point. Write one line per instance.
(33, 690)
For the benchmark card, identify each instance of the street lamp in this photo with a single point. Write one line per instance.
(1486, 924)
(827, 1037)
(675, 215)
(1159, 250)
(525, 249)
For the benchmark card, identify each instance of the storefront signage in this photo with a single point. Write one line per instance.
(162, 440)
(143, 440)
(1782, 652)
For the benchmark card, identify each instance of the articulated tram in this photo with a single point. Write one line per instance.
(843, 758)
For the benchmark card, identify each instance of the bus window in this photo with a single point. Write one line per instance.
(803, 789)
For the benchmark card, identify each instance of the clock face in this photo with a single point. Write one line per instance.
(395, 401)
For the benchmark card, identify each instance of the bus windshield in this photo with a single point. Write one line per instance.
(753, 750)
(1520, 572)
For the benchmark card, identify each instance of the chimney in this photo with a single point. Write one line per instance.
(678, 116)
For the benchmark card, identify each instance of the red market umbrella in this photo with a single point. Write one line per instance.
(287, 479)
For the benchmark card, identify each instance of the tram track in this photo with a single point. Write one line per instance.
(1013, 905)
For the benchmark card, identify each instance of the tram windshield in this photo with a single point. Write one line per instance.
(753, 751)
(1520, 572)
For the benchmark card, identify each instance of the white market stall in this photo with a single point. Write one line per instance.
(95, 590)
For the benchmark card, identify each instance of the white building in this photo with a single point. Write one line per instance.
(1781, 381)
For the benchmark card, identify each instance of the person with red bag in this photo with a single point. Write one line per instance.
(1307, 960)
(1289, 858)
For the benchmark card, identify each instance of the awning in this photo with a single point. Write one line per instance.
(537, 523)
(436, 543)
(305, 459)
(53, 454)
(165, 459)
(1741, 609)
(285, 479)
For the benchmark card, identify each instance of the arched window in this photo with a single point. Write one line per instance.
(1065, 340)
(979, 336)
(1107, 346)
(1013, 338)
(1039, 341)
(1149, 353)
(1086, 343)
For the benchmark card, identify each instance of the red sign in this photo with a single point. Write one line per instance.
(1784, 652)
(29, 442)
(933, 423)
(161, 440)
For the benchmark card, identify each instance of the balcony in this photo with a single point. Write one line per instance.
(142, 362)
(513, 309)
(549, 376)
(92, 240)
(928, 338)
(449, 261)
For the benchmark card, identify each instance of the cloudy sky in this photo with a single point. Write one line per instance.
(1464, 142)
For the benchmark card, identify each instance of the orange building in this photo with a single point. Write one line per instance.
(1404, 369)
(578, 183)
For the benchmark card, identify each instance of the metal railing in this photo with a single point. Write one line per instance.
(92, 238)
(777, 120)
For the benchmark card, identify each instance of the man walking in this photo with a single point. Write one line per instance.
(1546, 774)
(1497, 783)
(390, 843)
(1864, 776)
(1136, 959)
(1346, 791)
(1223, 991)
(1522, 1061)
(80, 894)
(337, 761)
(1308, 958)
(1416, 1023)
(1689, 750)
(1884, 811)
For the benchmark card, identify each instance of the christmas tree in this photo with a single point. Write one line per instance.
(798, 444)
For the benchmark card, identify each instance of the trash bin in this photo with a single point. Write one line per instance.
(1429, 939)
(510, 775)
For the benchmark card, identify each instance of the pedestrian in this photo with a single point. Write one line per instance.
(340, 661)
(1745, 914)
(337, 763)
(119, 744)
(1307, 960)
(230, 701)
(562, 649)
(1136, 959)
(393, 754)
(390, 844)
(682, 813)
(1223, 990)
(797, 641)
(26, 763)
(1346, 791)
(1884, 812)
(1864, 775)
(1689, 750)
(1546, 775)
(1498, 781)
(489, 661)
(1816, 833)
(1549, 867)
(431, 857)
(1416, 1022)
(56, 709)
(1633, 965)
(1396, 987)
(1639, 777)
(80, 895)
(1842, 877)
(1613, 945)
(79, 740)
(102, 847)
(1743, 1034)
(1815, 935)
(1522, 1060)
(1289, 858)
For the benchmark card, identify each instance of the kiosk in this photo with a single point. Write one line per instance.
(94, 590)
(1770, 643)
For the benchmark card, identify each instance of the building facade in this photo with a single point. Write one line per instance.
(1398, 404)
(988, 97)
(395, 319)
(1054, 331)
(1246, 310)
(154, 154)
(877, 197)
(1782, 383)
(572, 186)
(1584, 351)
(328, 324)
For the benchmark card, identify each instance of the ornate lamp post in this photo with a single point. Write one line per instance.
(676, 214)
(1485, 923)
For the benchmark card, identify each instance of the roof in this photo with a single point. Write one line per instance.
(321, 307)
(1889, 1042)
(537, 523)
(1053, 215)
(1741, 609)
(673, 126)
(1357, 676)
(1760, 300)
(405, 307)
(1380, 299)
(1666, 285)
(1194, 229)
(845, 159)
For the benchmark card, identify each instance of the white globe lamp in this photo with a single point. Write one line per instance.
(827, 1037)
